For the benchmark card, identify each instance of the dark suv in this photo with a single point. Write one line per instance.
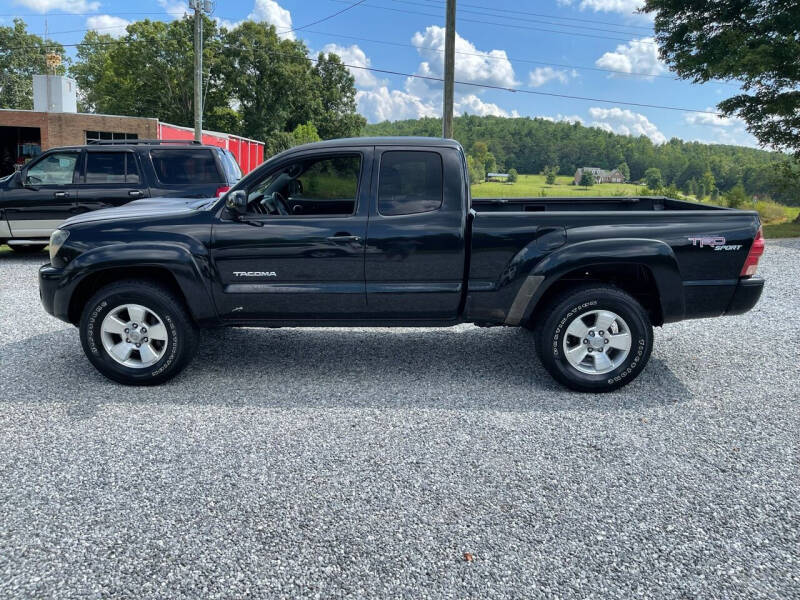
(64, 182)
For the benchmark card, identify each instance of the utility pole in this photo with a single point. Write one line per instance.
(199, 7)
(449, 69)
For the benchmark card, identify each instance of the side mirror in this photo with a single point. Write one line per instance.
(236, 202)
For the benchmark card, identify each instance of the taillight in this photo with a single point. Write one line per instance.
(756, 250)
(222, 189)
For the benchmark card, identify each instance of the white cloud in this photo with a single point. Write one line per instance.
(714, 119)
(473, 65)
(273, 13)
(353, 55)
(541, 75)
(625, 122)
(108, 24)
(384, 105)
(174, 8)
(637, 56)
(475, 106)
(423, 98)
(625, 7)
(716, 129)
(68, 6)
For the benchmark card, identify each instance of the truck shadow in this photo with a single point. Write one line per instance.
(463, 368)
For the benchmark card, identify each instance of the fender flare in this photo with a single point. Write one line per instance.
(655, 255)
(189, 270)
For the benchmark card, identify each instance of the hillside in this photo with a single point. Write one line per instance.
(529, 145)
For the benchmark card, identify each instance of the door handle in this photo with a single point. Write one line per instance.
(344, 238)
(60, 194)
(134, 193)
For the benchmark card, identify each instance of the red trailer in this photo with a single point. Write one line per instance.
(249, 153)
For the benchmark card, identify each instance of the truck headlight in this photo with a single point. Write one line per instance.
(57, 239)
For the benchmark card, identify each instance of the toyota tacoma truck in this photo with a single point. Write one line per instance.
(383, 232)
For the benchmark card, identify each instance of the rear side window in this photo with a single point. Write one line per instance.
(232, 170)
(186, 166)
(409, 183)
(111, 167)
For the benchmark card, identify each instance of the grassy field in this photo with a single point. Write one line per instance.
(535, 185)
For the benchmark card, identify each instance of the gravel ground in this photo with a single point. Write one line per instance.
(369, 463)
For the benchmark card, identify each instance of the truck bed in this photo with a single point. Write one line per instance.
(692, 252)
(587, 203)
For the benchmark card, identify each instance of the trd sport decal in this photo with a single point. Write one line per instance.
(715, 242)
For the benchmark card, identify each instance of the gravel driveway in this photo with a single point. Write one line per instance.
(372, 463)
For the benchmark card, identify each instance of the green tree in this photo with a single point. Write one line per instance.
(513, 176)
(150, 73)
(752, 42)
(305, 133)
(691, 188)
(736, 196)
(550, 174)
(476, 171)
(653, 179)
(708, 181)
(701, 191)
(715, 196)
(625, 170)
(587, 179)
(22, 55)
(338, 116)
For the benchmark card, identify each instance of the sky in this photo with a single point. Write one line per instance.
(597, 49)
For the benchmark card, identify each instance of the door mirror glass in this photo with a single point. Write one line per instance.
(236, 202)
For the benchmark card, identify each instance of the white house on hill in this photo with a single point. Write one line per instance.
(600, 175)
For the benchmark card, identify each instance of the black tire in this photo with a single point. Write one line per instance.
(568, 307)
(27, 248)
(178, 350)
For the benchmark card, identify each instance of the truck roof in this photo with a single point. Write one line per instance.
(381, 141)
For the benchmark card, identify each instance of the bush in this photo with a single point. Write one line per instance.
(513, 176)
(770, 211)
(653, 179)
(736, 197)
(587, 179)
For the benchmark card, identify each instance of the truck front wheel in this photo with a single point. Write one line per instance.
(137, 332)
(595, 338)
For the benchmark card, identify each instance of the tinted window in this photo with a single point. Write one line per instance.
(111, 167)
(314, 186)
(232, 170)
(186, 166)
(409, 182)
(54, 169)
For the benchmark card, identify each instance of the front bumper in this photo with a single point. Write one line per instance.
(53, 292)
(745, 296)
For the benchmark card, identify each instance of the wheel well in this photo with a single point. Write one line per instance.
(90, 284)
(635, 279)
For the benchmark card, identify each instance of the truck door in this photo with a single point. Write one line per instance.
(416, 247)
(299, 252)
(109, 177)
(44, 198)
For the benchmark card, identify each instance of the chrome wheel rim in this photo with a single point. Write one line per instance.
(597, 342)
(134, 336)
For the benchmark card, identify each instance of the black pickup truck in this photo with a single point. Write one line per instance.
(383, 232)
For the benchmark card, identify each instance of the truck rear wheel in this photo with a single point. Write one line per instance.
(595, 339)
(137, 333)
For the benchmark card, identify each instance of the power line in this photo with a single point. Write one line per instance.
(509, 25)
(505, 12)
(432, 78)
(336, 14)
